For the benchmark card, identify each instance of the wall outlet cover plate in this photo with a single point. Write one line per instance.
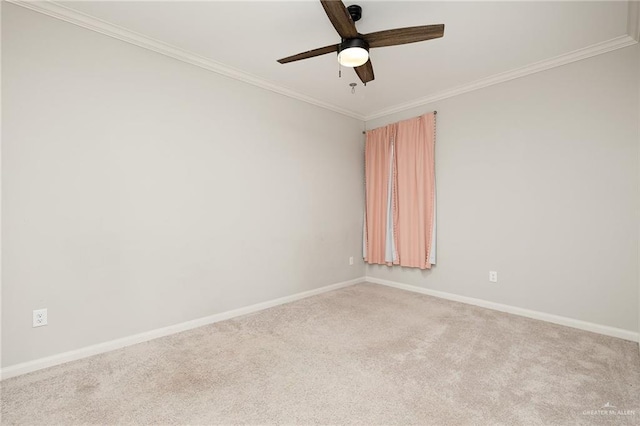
(39, 317)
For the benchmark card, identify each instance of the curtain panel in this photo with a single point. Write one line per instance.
(401, 194)
(377, 176)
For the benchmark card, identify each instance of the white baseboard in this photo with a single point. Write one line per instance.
(556, 319)
(39, 364)
(87, 351)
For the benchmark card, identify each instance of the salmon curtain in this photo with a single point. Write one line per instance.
(377, 171)
(400, 194)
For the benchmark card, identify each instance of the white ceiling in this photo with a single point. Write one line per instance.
(481, 39)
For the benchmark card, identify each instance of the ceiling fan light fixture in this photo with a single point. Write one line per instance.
(353, 52)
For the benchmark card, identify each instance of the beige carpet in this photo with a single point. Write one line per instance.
(366, 354)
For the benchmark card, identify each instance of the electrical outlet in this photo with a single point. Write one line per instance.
(493, 276)
(351, 260)
(39, 317)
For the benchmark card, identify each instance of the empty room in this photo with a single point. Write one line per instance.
(320, 212)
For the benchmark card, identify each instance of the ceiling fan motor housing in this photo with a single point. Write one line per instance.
(353, 42)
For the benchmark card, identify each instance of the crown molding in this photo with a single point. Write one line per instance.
(633, 20)
(567, 58)
(55, 10)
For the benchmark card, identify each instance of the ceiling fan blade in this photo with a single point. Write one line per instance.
(340, 18)
(404, 35)
(365, 72)
(310, 54)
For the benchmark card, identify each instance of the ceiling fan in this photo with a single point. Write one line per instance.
(353, 50)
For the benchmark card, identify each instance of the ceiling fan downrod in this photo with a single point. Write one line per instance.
(355, 11)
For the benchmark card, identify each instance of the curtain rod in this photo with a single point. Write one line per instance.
(434, 113)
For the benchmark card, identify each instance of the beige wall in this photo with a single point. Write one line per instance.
(141, 192)
(537, 179)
